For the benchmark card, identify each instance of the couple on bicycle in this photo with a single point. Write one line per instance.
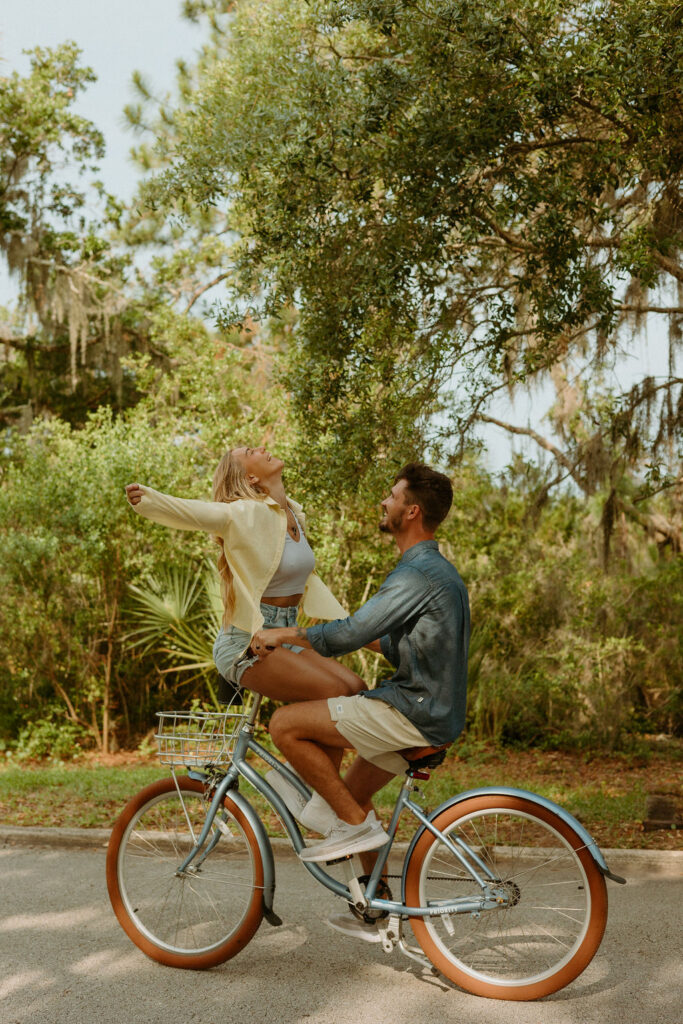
(418, 619)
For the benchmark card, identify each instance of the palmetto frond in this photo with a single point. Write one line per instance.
(178, 613)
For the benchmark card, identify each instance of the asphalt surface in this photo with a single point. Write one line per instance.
(65, 960)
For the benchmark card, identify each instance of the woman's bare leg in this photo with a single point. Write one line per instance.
(287, 676)
(353, 683)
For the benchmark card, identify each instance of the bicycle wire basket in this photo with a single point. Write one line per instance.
(197, 738)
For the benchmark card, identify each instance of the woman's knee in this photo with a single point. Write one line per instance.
(353, 687)
(278, 724)
(348, 684)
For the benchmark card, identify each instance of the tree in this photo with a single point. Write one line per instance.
(85, 302)
(72, 548)
(74, 320)
(489, 187)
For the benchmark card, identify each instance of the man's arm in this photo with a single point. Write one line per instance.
(266, 640)
(403, 594)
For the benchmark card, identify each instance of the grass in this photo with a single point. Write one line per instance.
(607, 793)
(70, 795)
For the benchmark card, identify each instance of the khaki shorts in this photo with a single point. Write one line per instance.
(376, 730)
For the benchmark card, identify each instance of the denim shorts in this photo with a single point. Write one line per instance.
(231, 652)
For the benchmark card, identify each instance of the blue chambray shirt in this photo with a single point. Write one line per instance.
(421, 616)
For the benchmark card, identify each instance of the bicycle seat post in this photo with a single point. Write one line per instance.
(253, 714)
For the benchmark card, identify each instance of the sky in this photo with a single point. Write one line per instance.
(121, 36)
(117, 38)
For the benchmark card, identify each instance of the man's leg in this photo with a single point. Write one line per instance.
(363, 780)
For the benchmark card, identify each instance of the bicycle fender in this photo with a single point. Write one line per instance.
(534, 798)
(266, 851)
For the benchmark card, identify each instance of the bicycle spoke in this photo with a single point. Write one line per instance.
(547, 903)
(198, 910)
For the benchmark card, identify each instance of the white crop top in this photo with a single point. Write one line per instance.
(296, 565)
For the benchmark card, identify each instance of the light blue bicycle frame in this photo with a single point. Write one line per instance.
(491, 897)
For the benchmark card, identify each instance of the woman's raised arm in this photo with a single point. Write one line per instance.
(178, 513)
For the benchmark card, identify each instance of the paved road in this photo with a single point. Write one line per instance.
(64, 960)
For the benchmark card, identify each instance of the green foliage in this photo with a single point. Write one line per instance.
(111, 617)
(59, 740)
(38, 131)
(72, 547)
(564, 654)
(412, 206)
(178, 614)
(173, 603)
(488, 187)
(74, 318)
(84, 308)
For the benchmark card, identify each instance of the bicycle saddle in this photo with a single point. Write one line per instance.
(424, 757)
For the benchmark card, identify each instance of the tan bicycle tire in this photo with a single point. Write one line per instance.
(252, 917)
(426, 930)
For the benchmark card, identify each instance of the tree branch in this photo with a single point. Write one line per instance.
(512, 240)
(671, 266)
(205, 288)
(601, 113)
(627, 308)
(533, 147)
(19, 343)
(538, 438)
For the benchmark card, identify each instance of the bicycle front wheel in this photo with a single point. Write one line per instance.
(554, 909)
(199, 917)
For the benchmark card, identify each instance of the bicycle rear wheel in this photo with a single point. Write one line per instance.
(208, 913)
(555, 908)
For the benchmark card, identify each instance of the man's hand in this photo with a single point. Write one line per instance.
(266, 640)
(134, 493)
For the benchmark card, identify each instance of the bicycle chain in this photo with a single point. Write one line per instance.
(441, 878)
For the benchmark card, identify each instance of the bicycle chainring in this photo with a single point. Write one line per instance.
(383, 893)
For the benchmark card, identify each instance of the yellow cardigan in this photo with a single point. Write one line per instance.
(253, 534)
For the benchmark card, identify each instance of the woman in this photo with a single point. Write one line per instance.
(266, 567)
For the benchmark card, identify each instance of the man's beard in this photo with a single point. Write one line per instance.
(390, 524)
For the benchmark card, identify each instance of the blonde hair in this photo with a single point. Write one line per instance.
(230, 483)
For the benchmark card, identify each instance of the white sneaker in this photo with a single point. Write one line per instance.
(314, 814)
(292, 798)
(345, 839)
(349, 924)
(318, 816)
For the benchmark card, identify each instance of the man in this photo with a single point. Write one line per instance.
(419, 619)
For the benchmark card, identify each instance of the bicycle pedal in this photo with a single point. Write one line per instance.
(389, 929)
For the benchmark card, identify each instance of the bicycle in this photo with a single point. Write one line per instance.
(504, 890)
